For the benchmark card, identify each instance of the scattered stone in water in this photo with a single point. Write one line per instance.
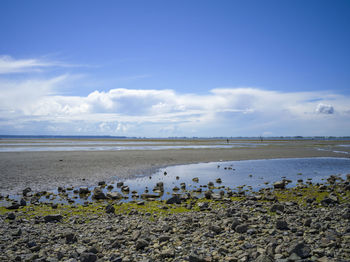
(26, 191)
(120, 184)
(84, 190)
(98, 194)
(219, 181)
(280, 184)
(195, 179)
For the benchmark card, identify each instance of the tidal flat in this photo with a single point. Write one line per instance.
(307, 221)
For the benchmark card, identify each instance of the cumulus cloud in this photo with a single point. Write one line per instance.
(37, 106)
(324, 109)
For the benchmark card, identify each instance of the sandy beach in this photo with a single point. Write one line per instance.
(48, 170)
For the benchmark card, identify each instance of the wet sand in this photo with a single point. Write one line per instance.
(48, 170)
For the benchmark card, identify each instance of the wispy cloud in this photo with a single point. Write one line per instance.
(9, 65)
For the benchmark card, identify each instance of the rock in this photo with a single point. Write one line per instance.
(176, 188)
(26, 191)
(279, 185)
(281, 224)
(195, 179)
(300, 249)
(125, 189)
(141, 244)
(215, 229)
(164, 238)
(88, 257)
(11, 216)
(203, 205)
(98, 194)
(195, 258)
(207, 194)
(110, 209)
(219, 181)
(120, 184)
(102, 183)
(276, 207)
(235, 223)
(22, 202)
(147, 196)
(84, 190)
(167, 253)
(174, 200)
(13, 206)
(241, 228)
(53, 218)
(70, 238)
(114, 195)
(308, 222)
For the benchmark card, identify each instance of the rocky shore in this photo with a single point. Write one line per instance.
(309, 222)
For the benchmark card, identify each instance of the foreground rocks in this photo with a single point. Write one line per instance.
(272, 226)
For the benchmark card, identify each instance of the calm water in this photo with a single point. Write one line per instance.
(77, 145)
(249, 173)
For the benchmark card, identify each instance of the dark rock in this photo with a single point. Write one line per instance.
(276, 207)
(70, 238)
(141, 244)
(84, 190)
(102, 183)
(164, 238)
(110, 209)
(88, 257)
(215, 229)
(300, 249)
(53, 218)
(26, 191)
(174, 200)
(13, 206)
(120, 184)
(98, 194)
(280, 184)
(22, 202)
(195, 179)
(208, 194)
(195, 258)
(125, 189)
(203, 205)
(11, 216)
(116, 244)
(235, 223)
(241, 228)
(281, 224)
(307, 222)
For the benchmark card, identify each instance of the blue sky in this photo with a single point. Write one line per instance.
(175, 68)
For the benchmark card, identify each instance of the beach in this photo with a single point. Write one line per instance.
(47, 170)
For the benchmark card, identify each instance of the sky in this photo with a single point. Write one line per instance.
(175, 68)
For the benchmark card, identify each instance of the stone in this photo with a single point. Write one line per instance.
(279, 185)
(110, 209)
(241, 228)
(88, 257)
(26, 191)
(167, 253)
(120, 184)
(195, 258)
(281, 224)
(141, 244)
(53, 218)
(207, 194)
(22, 202)
(164, 238)
(70, 238)
(11, 216)
(84, 190)
(98, 194)
(300, 249)
(114, 195)
(174, 200)
(195, 179)
(276, 207)
(102, 183)
(215, 229)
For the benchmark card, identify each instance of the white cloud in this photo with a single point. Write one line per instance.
(324, 109)
(38, 106)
